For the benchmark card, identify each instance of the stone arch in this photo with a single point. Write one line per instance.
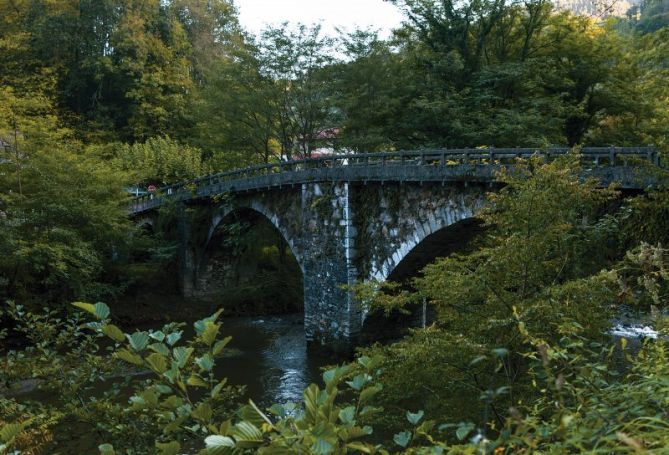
(269, 215)
(439, 243)
(145, 222)
(145, 226)
(460, 212)
(446, 231)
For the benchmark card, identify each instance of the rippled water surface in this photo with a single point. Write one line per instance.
(272, 360)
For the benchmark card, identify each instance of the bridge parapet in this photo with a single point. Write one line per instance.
(429, 165)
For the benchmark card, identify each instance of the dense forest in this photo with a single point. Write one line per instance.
(100, 98)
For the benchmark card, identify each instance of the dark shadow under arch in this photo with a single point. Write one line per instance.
(451, 239)
(255, 208)
(456, 238)
(248, 266)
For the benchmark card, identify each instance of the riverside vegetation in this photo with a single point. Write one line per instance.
(517, 359)
(98, 96)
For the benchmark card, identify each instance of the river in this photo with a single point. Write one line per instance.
(272, 358)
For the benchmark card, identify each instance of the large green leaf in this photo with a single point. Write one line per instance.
(329, 376)
(201, 325)
(322, 447)
(369, 392)
(129, 357)
(196, 381)
(157, 335)
(359, 432)
(359, 381)
(9, 431)
(113, 332)
(174, 337)
(203, 412)
(219, 445)
(160, 348)
(138, 340)
(171, 402)
(145, 399)
(106, 449)
(206, 363)
(247, 435)
(402, 439)
(88, 307)
(181, 354)
(464, 428)
(311, 395)
(414, 418)
(218, 347)
(218, 387)
(347, 414)
(158, 362)
(99, 310)
(210, 333)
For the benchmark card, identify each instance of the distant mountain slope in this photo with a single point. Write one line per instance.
(597, 8)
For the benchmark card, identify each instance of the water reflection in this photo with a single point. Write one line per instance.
(272, 359)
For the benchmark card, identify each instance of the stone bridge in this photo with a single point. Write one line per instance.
(351, 218)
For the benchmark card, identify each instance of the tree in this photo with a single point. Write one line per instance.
(294, 60)
(213, 32)
(372, 91)
(61, 213)
(237, 117)
(160, 160)
(653, 15)
(535, 263)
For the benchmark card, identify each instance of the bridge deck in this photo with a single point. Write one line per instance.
(609, 164)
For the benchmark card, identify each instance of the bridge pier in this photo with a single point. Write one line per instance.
(186, 257)
(332, 318)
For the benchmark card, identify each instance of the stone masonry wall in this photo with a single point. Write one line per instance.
(398, 217)
(342, 233)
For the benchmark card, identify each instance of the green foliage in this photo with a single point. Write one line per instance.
(61, 211)
(321, 425)
(537, 260)
(587, 396)
(160, 161)
(179, 402)
(93, 93)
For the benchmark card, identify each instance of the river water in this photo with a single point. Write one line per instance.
(271, 357)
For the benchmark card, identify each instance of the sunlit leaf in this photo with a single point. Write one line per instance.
(129, 357)
(220, 345)
(181, 354)
(206, 363)
(196, 381)
(158, 362)
(106, 449)
(113, 332)
(210, 333)
(347, 414)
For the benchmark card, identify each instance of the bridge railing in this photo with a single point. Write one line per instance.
(590, 156)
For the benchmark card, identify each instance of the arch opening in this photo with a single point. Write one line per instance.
(248, 267)
(455, 238)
